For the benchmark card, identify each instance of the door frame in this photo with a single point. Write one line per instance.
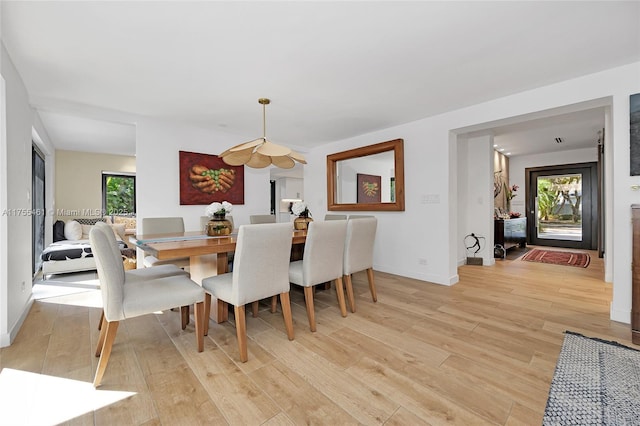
(591, 209)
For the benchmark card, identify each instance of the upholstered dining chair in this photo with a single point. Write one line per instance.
(358, 253)
(262, 218)
(150, 273)
(163, 225)
(335, 217)
(359, 216)
(261, 270)
(123, 299)
(321, 262)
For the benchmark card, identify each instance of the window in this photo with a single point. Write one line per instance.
(118, 193)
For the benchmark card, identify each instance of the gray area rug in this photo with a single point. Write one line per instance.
(596, 382)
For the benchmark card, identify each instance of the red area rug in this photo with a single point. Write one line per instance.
(567, 258)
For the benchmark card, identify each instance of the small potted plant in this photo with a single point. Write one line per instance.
(300, 209)
(218, 224)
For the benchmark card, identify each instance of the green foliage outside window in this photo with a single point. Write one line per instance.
(120, 195)
(556, 192)
(547, 199)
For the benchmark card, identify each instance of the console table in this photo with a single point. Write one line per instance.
(510, 232)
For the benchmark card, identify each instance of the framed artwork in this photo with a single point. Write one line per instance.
(205, 178)
(369, 188)
(634, 128)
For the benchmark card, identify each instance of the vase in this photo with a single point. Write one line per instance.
(219, 226)
(301, 223)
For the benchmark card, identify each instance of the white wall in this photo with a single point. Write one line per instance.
(479, 215)
(84, 195)
(430, 231)
(518, 164)
(15, 281)
(413, 243)
(157, 171)
(5, 338)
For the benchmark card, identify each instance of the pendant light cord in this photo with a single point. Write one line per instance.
(264, 122)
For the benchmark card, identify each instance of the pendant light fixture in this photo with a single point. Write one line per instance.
(260, 153)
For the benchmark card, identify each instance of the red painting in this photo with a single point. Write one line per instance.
(369, 187)
(205, 178)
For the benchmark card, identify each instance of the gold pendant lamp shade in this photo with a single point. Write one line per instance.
(260, 153)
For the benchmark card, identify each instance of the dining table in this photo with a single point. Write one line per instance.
(208, 255)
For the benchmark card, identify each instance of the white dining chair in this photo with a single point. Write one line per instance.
(335, 217)
(163, 225)
(123, 299)
(321, 263)
(358, 254)
(261, 270)
(150, 273)
(262, 218)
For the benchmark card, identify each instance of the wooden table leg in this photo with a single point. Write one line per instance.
(206, 266)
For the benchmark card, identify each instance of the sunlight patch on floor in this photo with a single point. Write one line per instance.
(37, 399)
(67, 296)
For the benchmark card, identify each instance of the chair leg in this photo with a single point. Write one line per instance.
(340, 293)
(103, 331)
(286, 313)
(111, 330)
(184, 313)
(372, 285)
(254, 308)
(308, 299)
(241, 332)
(223, 311)
(198, 311)
(349, 285)
(207, 312)
(274, 304)
(101, 319)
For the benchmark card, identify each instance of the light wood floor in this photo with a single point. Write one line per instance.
(480, 352)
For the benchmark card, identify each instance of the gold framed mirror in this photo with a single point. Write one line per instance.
(370, 178)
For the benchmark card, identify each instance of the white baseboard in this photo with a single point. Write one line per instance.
(7, 338)
(432, 278)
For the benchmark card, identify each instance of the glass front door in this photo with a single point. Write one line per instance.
(562, 210)
(559, 207)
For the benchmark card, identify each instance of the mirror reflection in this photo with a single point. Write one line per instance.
(369, 179)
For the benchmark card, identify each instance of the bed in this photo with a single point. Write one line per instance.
(73, 253)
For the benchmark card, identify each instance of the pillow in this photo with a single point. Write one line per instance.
(129, 222)
(72, 230)
(88, 221)
(86, 230)
(58, 231)
(118, 230)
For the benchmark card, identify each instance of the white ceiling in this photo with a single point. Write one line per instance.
(332, 69)
(576, 130)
